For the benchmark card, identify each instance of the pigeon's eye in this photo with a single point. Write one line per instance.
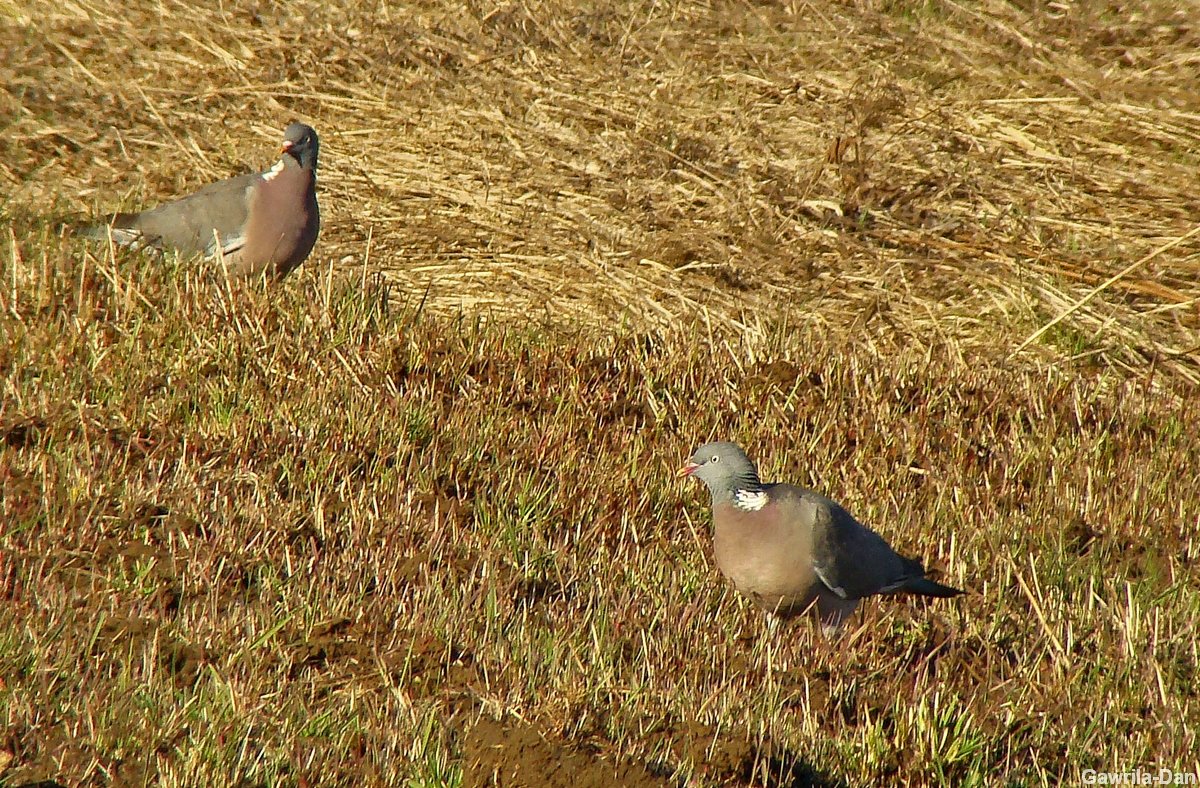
(715, 458)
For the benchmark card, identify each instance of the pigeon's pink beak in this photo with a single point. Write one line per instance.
(286, 146)
(687, 470)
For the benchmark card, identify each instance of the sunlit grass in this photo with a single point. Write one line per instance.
(409, 518)
(326, 552)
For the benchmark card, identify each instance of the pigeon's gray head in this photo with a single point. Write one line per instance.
(725, 468)
(300, 142)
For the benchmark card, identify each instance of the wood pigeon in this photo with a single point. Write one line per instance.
(257, 223)
(792, 550)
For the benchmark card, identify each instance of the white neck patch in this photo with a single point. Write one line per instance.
(274, 171)
(749, 501)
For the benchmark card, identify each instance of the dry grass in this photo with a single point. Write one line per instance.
(409, 519)
(923, 174)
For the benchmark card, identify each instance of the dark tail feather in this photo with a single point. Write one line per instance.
(95, 232)
(123, 221)
(926, 587)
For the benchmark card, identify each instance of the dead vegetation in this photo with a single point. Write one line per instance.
(408, 518)
(931, 174)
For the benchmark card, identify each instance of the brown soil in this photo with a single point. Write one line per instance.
(513, 754)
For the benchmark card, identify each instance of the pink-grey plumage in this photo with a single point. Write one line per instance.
(264, 222)
(792, 550)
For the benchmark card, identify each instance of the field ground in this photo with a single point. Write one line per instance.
(409, 517)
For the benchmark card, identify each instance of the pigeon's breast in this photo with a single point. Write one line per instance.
(766, 556)
(283, 223)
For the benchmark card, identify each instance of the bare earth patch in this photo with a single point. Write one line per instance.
(514, 754)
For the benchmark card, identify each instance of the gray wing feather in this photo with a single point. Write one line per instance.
(850, 559)
(191, 224)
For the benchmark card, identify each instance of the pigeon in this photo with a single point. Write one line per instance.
(792, 550)
(257, 223)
